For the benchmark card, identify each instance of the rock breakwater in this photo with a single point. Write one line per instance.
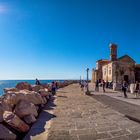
(20, 107)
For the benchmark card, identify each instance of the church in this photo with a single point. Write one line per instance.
(116, 69)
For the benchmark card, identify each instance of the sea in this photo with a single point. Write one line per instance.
(13, 83)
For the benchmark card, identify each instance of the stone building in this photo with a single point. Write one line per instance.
(116, 69)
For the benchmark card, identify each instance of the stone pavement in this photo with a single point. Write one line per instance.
(75, 116)
(80, 117)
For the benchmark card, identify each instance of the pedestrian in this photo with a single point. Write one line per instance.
(97, 85)
(124, 88)
(80, 82)
(137, 88)
(103, 84)
(114, 85)
(82, 86)
(53, 88)
(56, 84)
(37, 82)
(85, 85)
(132, 88)
(107, 84)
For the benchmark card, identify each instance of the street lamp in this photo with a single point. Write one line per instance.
(87, 92)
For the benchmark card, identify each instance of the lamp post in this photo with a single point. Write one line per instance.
(87, 92)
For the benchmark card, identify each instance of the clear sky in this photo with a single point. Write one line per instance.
(59, 39)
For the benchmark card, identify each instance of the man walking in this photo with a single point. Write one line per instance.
(124, 88)
(103, 84)
(97, 86)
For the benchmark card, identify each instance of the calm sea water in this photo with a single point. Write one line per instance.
(13, 83)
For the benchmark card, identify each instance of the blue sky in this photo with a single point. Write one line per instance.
(59, 39)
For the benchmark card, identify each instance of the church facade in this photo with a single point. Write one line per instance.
(116, 69)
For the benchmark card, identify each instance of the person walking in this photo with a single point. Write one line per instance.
(37, 82)
(107, 84)
(97, 86)
(53, 88)
(124, 88)
(137, 87)
(132, 87)
(103, 84)
(56, 85)
(85, 86)
(82, 86)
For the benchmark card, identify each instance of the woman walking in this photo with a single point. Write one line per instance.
(124, 88)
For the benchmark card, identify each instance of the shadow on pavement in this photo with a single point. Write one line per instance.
(42, 121)
(129, 110)
(62, 96)
(119, 96)
(62, 91)
(134, 98)
(110, 92)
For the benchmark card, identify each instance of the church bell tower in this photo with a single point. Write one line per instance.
(113, 52)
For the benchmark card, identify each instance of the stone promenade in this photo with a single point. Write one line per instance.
(76, 116)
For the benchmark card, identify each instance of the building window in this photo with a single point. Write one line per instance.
(109, 70)
(97, 67)
(104, 71)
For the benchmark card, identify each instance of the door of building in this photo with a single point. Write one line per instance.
(126, 78)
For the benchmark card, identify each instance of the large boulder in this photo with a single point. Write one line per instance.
(44, 100)
(1, 114)
(9, 99)
(37, 107)
(6, 134)
(3, 107)
(45, 85)
(25, 108)
(6, 90)
(24, 85)
(36, 88)
(29, 119)
(31, 96)
(43, 92)
(15, 122)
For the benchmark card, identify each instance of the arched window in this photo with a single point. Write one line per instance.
(105, 71)
(109, 71)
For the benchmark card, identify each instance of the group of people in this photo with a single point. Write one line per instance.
(54, 86)
(125, 87)
(83, 85)
(136, 87)
(100, 83)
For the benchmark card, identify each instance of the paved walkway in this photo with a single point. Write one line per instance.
(80, 117)
(117, 95)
